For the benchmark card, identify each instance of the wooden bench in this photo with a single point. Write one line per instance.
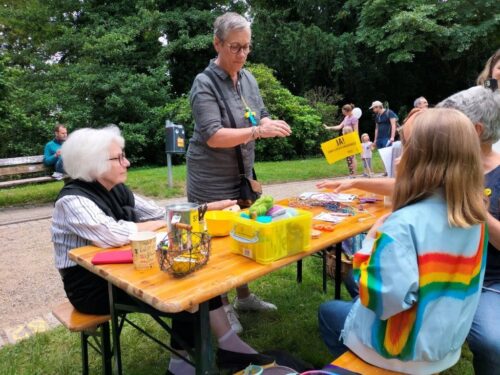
(24, 170)
(350, 361)
(96, 326)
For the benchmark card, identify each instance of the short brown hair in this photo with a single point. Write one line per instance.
(59, 126)
(443, 153)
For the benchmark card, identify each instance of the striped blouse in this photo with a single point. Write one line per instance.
(77, 221)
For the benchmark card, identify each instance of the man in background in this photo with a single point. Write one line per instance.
(52, 151)
(385, 125)
(421, 103)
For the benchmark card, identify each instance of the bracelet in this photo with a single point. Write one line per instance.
(258, 132)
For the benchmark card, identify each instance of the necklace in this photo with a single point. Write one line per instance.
(249, 114)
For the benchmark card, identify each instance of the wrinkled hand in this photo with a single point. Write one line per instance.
(220, 205)
(373, 230)
(269, 128)
(336, 185)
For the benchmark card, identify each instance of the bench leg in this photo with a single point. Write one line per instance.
(85, 353)
(106, 349)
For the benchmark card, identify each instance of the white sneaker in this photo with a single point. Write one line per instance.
(57, 175)
(253, 303)
(232, 316)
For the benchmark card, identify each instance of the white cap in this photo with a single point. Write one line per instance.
(376, 103)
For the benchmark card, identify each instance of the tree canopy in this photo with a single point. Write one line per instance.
(91, 63)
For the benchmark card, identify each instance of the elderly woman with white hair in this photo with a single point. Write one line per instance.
(229, 117)
(96, 208)
(482, 107)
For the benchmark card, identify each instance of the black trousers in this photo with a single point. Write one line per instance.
(88, 293)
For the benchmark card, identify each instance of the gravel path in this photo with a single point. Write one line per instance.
(30, 286)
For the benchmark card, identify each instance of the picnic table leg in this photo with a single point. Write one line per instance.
(299, 271)
(116, 330)
(338, 264)
(204, 354)
(323, 257)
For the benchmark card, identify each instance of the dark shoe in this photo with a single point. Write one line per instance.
(238, 361)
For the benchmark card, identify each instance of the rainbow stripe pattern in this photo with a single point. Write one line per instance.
(440, 275)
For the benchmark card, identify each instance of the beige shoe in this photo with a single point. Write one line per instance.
(232, 316)
(253, 303)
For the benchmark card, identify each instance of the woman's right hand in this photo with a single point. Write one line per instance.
(269, 128)
(336, 185)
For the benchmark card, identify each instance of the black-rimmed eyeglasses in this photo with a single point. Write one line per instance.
(121, 159)
(237, 48)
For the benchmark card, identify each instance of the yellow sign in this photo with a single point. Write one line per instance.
(341, 147)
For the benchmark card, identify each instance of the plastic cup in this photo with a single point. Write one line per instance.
(143, 250)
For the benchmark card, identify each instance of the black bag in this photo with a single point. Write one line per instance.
(250, 188)
(250, 191)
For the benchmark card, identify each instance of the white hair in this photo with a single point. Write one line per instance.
(228, 22)
(86, 152)
(482, 106)
(417, 101)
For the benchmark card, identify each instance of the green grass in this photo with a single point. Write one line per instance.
(152, 181)
(293, 328)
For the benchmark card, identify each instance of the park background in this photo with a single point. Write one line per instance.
(131, 63)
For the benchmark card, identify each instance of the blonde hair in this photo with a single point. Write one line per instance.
(487, 72)
(443, 153)
(365, 135)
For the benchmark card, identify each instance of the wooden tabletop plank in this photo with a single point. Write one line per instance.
(223, 272)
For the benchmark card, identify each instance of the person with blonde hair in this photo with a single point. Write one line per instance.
(482, 107)
(423, 262)
(491, 69)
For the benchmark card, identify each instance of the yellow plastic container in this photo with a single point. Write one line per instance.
(219, 223)
(266, 243)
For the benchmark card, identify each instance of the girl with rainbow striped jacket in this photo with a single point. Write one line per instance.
(421, 268)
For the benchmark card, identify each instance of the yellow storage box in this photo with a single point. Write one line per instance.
(267, 242)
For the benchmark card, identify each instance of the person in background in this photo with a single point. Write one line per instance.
(52, 151)
(491, 69)
(366, 155)
(412, 273)
(212, 165)
(421, 103)
(97, 208)
(482, 106)
(385, 125)
(349, 121)
(351, 160)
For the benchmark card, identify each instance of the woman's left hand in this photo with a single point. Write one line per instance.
(269, 128)
(374, 229)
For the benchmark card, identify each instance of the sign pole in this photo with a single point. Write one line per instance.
(169, 168)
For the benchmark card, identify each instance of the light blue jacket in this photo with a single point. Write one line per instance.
(419, 282)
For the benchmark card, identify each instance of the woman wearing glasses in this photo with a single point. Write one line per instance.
(96, 208)
(223, 91)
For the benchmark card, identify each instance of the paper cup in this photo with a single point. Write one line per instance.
(143, 250)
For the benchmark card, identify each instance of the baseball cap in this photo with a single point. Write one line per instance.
(376, 103)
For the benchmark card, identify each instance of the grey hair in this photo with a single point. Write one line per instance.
(417, 101)
(482, 106)
(228, 22)
(86, 152)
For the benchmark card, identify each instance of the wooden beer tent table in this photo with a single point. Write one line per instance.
(157, 291)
